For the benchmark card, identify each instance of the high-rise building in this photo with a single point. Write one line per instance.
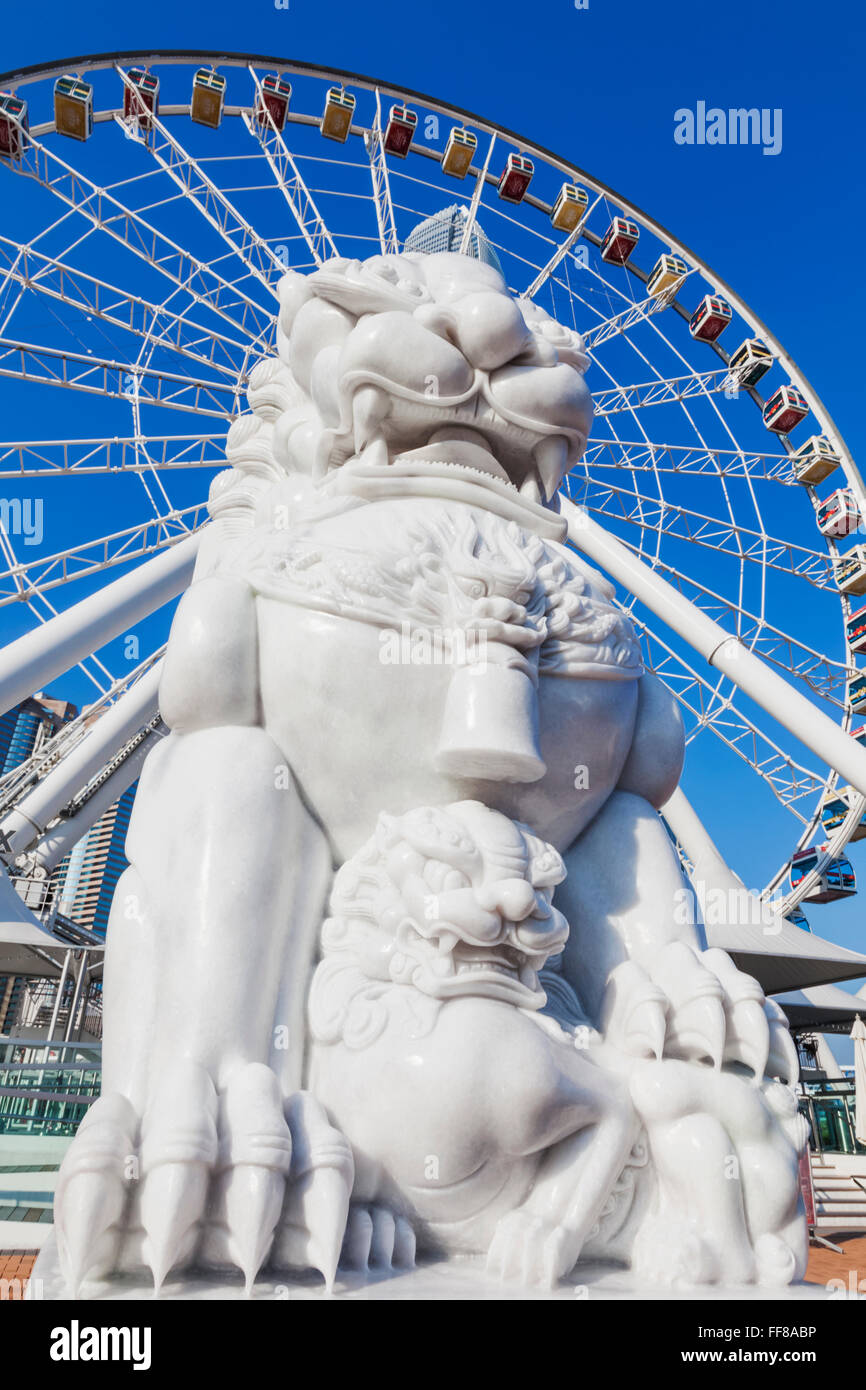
(86, 878)
(444, 232)
(25, 727)
(23, 731)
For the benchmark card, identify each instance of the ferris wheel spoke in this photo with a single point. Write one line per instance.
(157, 324)
(559, 254)
(621, 323)
(198, 187)
(660, 392)
(827, 678)
(789, 781)
(49, 458)
(374, 144)
(645, 531)
(107, 214)
(475, 201)
(134, 543)
(642, 457)
(288, 179)
(709, 532)
(118, 380)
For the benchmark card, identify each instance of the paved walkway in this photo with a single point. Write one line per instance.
(825, 1265)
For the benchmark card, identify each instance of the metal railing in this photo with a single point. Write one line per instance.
(46, 1088)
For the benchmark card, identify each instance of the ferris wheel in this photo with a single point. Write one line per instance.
(152, 201)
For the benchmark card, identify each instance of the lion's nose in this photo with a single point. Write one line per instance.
(513, 898)
(488, 328)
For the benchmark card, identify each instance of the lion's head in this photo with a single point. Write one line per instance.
(423, 358)
(453, 901)
(412, 352)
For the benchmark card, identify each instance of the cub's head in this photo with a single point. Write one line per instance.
(454, 901)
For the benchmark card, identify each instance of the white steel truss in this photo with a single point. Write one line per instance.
(119, 380)
(199, 188)
(374, 141)
(662, 392)
(713, 533)
(133, 543)
(107, 214)
(47, 458)
(156, 323)
(289, 179)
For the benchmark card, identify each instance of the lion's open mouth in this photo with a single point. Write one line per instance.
(479, 968)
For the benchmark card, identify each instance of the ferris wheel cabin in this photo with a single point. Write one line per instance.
(274, 100)
(857, 695)
(855, 630)
(14, 124)
(815, 460)
(850, 571)
(400, 130)
(337, 115)
(837, 879)
(752, 360)
(666, 274)
(515, 178)
(798, 919)
(710, 319)
(786, 408)
(459, 152)
(620, 239)
(834, 809)
(208, 97)
(569, 208)
(838, 514)
(73, 108)
(141, 96)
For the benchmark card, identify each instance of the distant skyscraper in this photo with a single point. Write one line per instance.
(87, 876)
(23, 731)
(444, 232)
(25, 727)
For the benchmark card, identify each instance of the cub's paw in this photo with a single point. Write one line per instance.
(528, 1250)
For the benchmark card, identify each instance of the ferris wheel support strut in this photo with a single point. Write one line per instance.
(725, 653)
(36, 658)
(46, 852)
(26, 822)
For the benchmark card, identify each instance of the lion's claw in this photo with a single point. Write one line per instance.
(224, 1180)
(529, 1250)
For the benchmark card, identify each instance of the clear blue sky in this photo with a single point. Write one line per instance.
(601, 87)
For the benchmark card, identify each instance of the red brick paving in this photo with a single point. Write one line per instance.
(15, 1265)
(826, 1264)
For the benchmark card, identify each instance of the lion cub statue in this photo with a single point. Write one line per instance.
(477, 1123)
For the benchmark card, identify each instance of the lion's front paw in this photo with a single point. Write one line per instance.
(202, 1176)
(529, 1250)
(696, 1006)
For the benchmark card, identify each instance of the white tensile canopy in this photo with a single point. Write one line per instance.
(858, 1036)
